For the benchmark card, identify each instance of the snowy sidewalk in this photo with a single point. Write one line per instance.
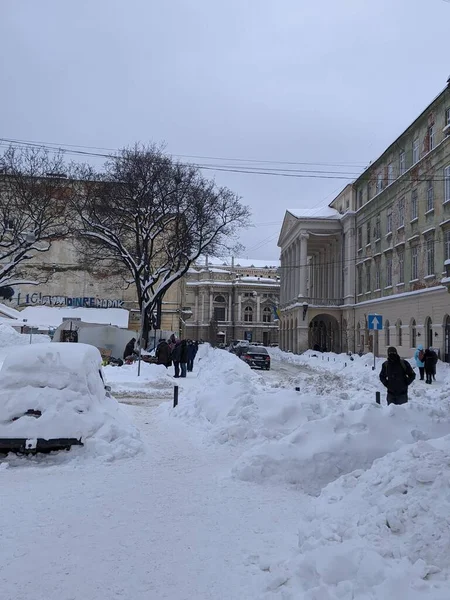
(169, 524)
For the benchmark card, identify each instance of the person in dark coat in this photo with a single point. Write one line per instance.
(163, 353)
(192, 351)
(430, 360)
(183, 357)
(176, 358)
(129, 348)
(396, 375)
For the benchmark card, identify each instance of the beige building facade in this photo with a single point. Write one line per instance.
(381, 247)
(231, 299)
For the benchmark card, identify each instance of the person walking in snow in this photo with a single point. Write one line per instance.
(176, 358)
(419, 357)
(183, 358)
(163, 353)
(192, 351)
(430, 359)
(396, 375)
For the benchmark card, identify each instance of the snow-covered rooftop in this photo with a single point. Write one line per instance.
(321, 212)
(257, 263)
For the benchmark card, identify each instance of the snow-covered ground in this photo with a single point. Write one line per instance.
(288, 484)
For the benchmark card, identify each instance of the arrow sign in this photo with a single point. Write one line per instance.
(375, 322)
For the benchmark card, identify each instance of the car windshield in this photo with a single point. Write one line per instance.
(258, 350)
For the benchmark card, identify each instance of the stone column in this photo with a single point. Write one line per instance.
(196, 317)
(211, 314)
(258, 308)
(230, 308)
(337, 269)
(303, 268)
(203, 308)
(239, 308)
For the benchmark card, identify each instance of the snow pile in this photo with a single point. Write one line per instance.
(321, 450)
(153, 379)
(64, 382)
(377, 535)
(10, 337)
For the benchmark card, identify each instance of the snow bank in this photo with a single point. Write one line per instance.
(376, 535)
(64, 382)
(321, 450)
(10, 337)
(124, 380)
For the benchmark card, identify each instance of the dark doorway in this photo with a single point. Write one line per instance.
(266, 338)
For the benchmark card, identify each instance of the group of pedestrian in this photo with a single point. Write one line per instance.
(179, 352)
(397, 374)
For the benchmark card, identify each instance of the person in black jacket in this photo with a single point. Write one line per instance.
(183, 358)
(192, 351)
(176, 358)
(430, 360)
(129, 348)
(163, 353)
(396, 375)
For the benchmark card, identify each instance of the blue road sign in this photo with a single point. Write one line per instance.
(375, 322)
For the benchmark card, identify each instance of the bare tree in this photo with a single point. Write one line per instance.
(152, 217)
(33, 209)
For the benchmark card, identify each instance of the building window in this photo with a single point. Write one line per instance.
(401, 266)
(430, 196)
(399, 332)
(447, 117)
(414, 263)
(414, 205)
(219, 313)
(389, 271)
(430, 138)
(368, 232)
(401, 213)
(447, 184)
(402, 158)
(360, 281)
(389, 223)
(360, 198)
(430, 257)
(368, 279)
(379, 182)
(219, 299)
(369, 191)
(391, 176)
(377, 228)
(387, 334)
(413, 334)
(267, 315)
(415, 150)
(248, 314)
(428, 332)
(360, 238)
(447, 245)
(377, 275)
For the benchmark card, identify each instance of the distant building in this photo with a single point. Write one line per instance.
(381, 247)
(225, 300)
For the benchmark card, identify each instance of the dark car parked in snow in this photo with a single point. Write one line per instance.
(256, 357)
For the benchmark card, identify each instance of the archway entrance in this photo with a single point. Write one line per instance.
(324, 334)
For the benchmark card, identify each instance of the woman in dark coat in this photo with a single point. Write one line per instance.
(183, 357)
(192, 351)
(163, 353)
(430, 360)
(129, 348)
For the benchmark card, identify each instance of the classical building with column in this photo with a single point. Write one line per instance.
(381, 247)
(231, 299)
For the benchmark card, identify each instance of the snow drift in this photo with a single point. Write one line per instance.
(64, 382)
(378, 535)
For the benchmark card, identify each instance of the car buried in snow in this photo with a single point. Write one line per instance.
(256, 357)
(52, 395)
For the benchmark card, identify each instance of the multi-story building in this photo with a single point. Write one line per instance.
(381, 247)
(225, 300)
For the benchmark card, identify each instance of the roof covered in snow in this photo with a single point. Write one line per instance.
(257, 263)
(321, 212)
(53, 316)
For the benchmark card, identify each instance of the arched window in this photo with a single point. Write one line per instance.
(267, 315)
(248, 314)
(428, 332)
(413, 334)
(387, 334)
(219, 299)
(399, 332)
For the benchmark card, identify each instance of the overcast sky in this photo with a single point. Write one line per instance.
(312, 81)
